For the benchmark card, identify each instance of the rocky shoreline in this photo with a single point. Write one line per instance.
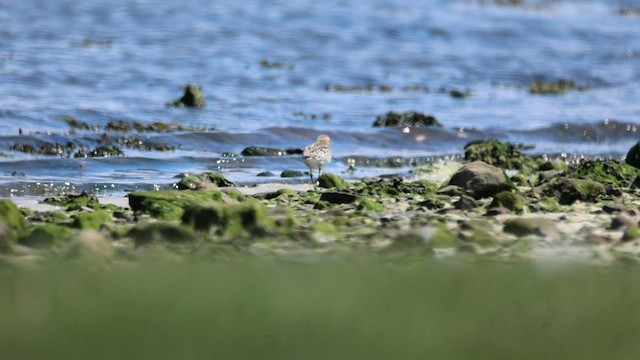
(545, 209)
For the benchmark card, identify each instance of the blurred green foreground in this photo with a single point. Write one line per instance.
(328, 309)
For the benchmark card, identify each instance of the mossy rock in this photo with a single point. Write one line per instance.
(46, 236)
(193, 97)
(92, 219)
(170, 204)
(160, 232)
(408, 118)
(12, 216)
(368, 204)
(192, 182)
(633, 156)
(508, 200)
(330, 181)
(89, 245)
(569, 190)
(496, 153)
(73, 202)
(548, 204)
(612, 172)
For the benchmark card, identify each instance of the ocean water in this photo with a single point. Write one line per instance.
(279, 73)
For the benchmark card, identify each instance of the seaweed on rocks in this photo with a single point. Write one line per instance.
(193, 98)
(408, 118)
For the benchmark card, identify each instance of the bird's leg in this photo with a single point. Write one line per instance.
(311, 175)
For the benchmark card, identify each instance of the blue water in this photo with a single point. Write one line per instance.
(101, 61)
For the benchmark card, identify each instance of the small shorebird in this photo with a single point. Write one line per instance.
(317, 155)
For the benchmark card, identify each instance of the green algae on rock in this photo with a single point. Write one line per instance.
(496, 153)
(408, 118)
(329, 181)
(193, 97)
(46, 236)
(611, 172)
(92, 219)
(569, 190)
(508, 200)
(170, 204)
(12, 216)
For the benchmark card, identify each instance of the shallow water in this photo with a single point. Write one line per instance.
(104, 61)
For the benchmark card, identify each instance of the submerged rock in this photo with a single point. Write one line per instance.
(90, 245)
(559, 87)
(633, 156)
(481, 180)
(292, 173)
(160, 232)
(193, 97)
(409, 118)
(46, 236)
(531, 226)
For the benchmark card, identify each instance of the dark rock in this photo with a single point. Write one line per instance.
(292, 174)
(263, 151)
(409, 118)
(633, 156)
(480, 179)
(466, 203)
(193, 97)
(266, 174)
(612, 208)
(625, 219)
(338, 198)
